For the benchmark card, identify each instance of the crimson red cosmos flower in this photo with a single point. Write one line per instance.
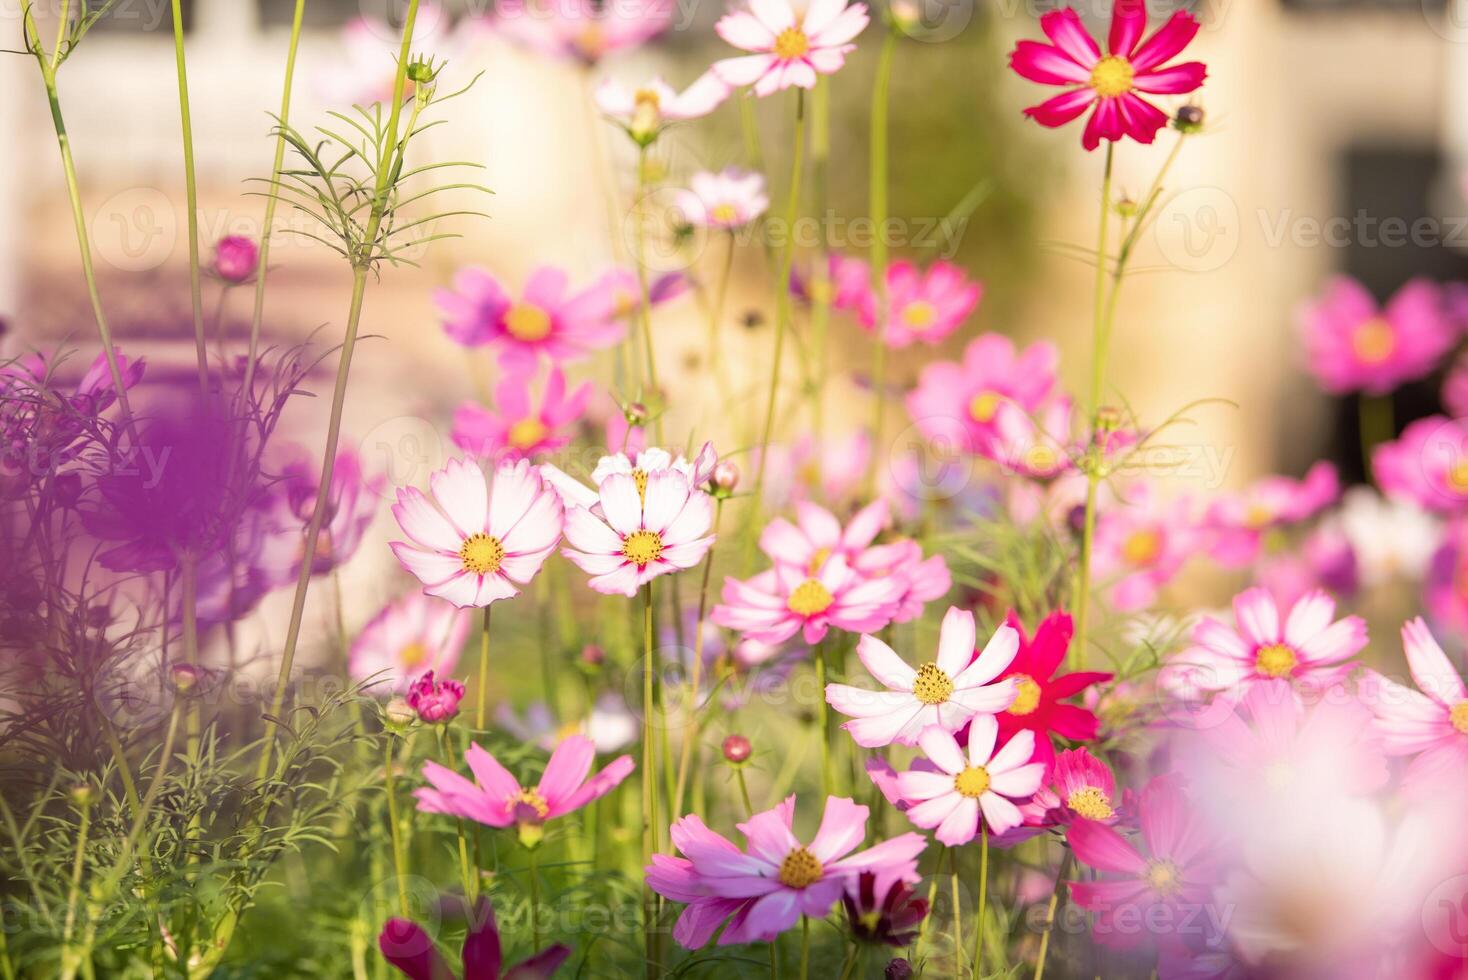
(1110, 82)
(1038, 693)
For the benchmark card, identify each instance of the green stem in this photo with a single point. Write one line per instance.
(983, 900)
(394, 822)
(716, 318)
(119, 756)
(878, 176)
(1377, 424)
(191, 194)
(957, 915)
(644, 303)
(827, 780)
(649, 788)
(820, 152)
(84, 825)
(696, 675)
(466, 871)
(535, 896)
(482, 703)
(743, 790)
(1050, 911)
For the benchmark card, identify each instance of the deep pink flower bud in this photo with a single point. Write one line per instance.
(235, 258)
(725, 478)
(898, 969)
(737, 749)
(435, 701)
(593, 655)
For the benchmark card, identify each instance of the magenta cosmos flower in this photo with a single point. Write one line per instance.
(1354, 345)
(1238, 522)
(435, 701)
(351, 507)
(1080, 787)
(922, 305)
(948, 692)
(582, 30)
(790, 48)
(765, 891)
(1109, 82)
(406, 945)
(1039, 695)
(544, 322)
(1306, 649)
(961, 400)
(647, 526)
(496, 798)
(726, 200)
(519, 425)
(1141, 544)
(483, 536)
(235, 258)
(646, 110)
(971, 788)
(1427, 465)
(412, 634)
(776, 604)
(1431, 723)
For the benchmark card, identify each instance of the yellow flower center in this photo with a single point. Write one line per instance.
(800, 869)
(1112, 76)
(646, 97)
(810, 598)
(791, 44)
(1041, 459)
(1458, 476)
(528, 798)
(1275, 660)
(1142, 547)
(725, 213)
(412, 655)
(818, 562)
(642, 547)
(639, 477)
(482, 554)
(1026, 695)
(983, 406)
(1373, 341)
(972, 782)
(527, 322)
(1162, 877)
(932, 686)
(919, 314)
(592, 41)
(1258, 517)
(1091, 803)
(527, 432)
(1459, 717)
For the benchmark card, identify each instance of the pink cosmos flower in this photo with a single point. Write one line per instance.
(482, 536)
(646, 110)
(496, 798)
(776, 604)
(925, 579)
(729, 199)
(645, 462)
(582, 30)
(922, 305)
(1306, 649)
(1141, 544)
(647, 526)
(1354, 345)
(1427, 465)
(412, 634)
(1238, 522)
(1109, 82)
(1446, 584)
(545, 321)
(832, 469)
(845, 283)
(961, 401)
(948, 692)
(1431, 723)
(406, 945)
(235, 258)
(986, 782)
(765, 891)
(1081, 787)
(518, 427)
(791, 49)
(1038, 695)
(435, 701)
(1454, 393)
(818, 536)
(352, 505)
(1039, 446)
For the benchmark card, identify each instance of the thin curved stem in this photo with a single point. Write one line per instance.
(983, 900)
(399, 855)
(696, 675)
(877, 196)
(191, 196)
(482, 700)
(1050, 911)
(649, 789)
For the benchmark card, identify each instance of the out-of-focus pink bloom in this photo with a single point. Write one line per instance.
(609, 725)
(582, 30)
(962, 401)
(483, 536)
(1238, 522)
(1308, 648)
(1039, 446)
(1354, 345)
(817, 536)
(1427, 465)
(647, 526)
(42, 420)
(1141, 544)
(845, 283)
(645, 110)
(922, 305)
(926, 579)
(351, 507)
(1455, 388)
(949, 692)
(1431, 723)
(1389, 538)
(435, 701)
(407, 946)
(766, 890)
(235, 258)
(830, 469)
(790, 48)
(544, 322)
(1324, 560)
(623, 437)
(776, 604)
(517, 426)
(988, 782)
(496, 798)
(1170, 877)
(1038, 694)
(1111, 82)
(729, 199)
(412, 634)
(1446, 585)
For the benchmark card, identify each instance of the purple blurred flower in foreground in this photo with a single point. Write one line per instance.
(407, 946)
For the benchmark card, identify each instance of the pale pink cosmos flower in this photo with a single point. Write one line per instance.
(765, 891)
(925, 579)
(923, 305)
(476, 538)
(949, 692)
(961, 400)
(1238, 521)
(1431, 723)
(1037, 445)
(609, 724)
(544, 322)
(643, 111)
(497, 799)
(413, 633)
(818, 536)
(726, 200)
(352, 505)
(644, 527)
(648, 461)
(833, 468)
(519, 425)
(790, 48)
(1141, 544)
(1427, 465)
(1306, 649)
(974, 788)
(582, 30)
(1354, 345)
(777, 603)
(1389, 538)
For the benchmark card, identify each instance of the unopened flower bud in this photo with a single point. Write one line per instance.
(1126, 207)
(185, 677)
(398, 715)
(898, 969)
(737, 749)
(420, 72)
(593, 655)
(82, 794)
(435, 701)
(236, 258)
(636, 414)
(725, 478)
(1189, 119)
(1108, 419)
